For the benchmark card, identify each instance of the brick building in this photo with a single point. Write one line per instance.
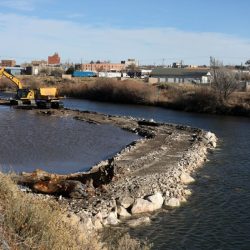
(54, 59)
(8, 63)
(39, 62)
(103, 66)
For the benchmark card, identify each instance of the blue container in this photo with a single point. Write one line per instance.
(84, 74)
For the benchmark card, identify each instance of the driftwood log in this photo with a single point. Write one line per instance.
(79, 185)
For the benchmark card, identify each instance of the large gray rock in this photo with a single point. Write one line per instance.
(76, 189)
(211, 139)
(156, 199)
(138, 222)
(141, 206)
(151, 203)
(172, 203)
(187, 192)
(97, 223)
(126, 201)
(112, 219)
(121, 211)
(186, 178)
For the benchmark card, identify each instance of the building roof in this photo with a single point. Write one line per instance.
(13, 68)
(179, 72)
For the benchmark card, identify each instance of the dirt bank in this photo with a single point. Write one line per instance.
(146, 175)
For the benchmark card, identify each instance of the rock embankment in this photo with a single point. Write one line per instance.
(149, 174)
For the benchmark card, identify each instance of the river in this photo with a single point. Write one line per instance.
(56, 145)
(216, 216)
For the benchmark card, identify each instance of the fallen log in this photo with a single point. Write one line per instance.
(78, 185)
(67, 188)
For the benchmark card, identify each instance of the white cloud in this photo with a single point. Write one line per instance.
(28, 38)
(23, 5)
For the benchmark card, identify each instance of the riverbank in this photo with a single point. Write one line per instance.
(33, 221)
(183, 97)
(186, 97)
(145, 176)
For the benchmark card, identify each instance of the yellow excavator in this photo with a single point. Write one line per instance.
(46, 97)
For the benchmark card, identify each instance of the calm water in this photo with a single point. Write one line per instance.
(57, 145)
(217, 216)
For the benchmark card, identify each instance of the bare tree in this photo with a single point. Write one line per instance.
(224, 81)
(57, 72)
(247, 63)
(44, 72)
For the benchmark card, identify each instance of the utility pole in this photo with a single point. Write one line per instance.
(163, 62)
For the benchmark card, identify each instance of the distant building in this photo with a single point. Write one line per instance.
(54, 59)
(243, 86)
(130, 62)
(39, 63)
(181, 75)
(32, 70)
(110, 74)
(14, 70)
(8, 63)
(102, 66)
(177, 64)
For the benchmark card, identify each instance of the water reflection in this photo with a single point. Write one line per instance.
(58, 145)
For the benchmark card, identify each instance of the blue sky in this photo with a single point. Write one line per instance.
(150, 31)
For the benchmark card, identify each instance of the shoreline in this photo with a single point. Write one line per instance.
(148, 174)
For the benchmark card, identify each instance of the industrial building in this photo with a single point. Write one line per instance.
(8, 63)
(102, 66)
(14, 70)
(180, 75)
(54, 59)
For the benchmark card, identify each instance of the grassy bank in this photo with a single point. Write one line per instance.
(203, 99)
(27, 222)
(103, 89)
(30, 223)
(187, 97)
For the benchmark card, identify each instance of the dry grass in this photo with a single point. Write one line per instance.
(31, 223)
(6, 84)
(35, 224)
(104, 89)
(240, 98)
(30, 82)
(188, 97)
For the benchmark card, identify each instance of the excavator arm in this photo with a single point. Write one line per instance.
(45, 97)
(3, 72)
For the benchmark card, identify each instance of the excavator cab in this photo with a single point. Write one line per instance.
(24, 97)
(25, 94)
